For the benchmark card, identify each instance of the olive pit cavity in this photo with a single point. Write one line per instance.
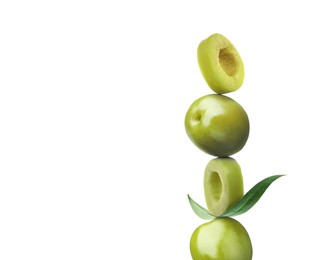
(215, 185)
(227, 61)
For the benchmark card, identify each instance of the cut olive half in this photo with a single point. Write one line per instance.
(223, 185)
(220, 64)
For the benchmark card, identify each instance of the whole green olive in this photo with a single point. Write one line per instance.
(221, 239)
(218, 125)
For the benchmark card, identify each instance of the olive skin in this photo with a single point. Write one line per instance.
(221, 239)
(217, 125)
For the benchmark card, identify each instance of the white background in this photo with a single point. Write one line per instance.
(94, 159)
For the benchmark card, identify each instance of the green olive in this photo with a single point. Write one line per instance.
(218, 125)
(220, 64)
(223, 184)
(221, 239)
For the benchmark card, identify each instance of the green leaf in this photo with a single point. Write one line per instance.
(199, 210)
(251, 197)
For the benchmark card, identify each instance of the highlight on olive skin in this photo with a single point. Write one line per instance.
(220, 64)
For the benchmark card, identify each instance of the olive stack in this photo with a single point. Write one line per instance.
(219, 126)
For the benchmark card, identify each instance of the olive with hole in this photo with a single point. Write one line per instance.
(220, 64)
(223, 185)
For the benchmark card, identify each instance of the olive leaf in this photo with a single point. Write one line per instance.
(251, 197)
(199, 210)
(240, 207)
